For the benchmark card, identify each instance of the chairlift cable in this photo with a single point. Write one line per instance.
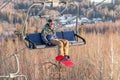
(100, 3)
(4, 4)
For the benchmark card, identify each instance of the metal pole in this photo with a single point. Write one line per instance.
(77, 17)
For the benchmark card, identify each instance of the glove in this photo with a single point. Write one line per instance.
(48, 44)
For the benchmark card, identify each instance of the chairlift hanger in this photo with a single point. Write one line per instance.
(77, 9)
(25, 24)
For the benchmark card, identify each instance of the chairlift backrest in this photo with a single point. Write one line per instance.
(35, 38)
(69, 35)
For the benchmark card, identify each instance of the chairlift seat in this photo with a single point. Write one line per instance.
(34, 40)
(71, 37)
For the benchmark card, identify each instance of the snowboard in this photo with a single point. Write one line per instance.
(65, 61)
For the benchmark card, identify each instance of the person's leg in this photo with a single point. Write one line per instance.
(65, 46)
(60, 46)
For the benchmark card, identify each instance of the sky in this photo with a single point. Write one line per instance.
(108, 1)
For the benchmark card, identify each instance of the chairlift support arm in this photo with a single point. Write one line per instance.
(25, 24)
(66, 6)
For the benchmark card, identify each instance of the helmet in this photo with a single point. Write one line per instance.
(49, 20)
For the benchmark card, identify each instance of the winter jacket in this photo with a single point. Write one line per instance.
(47, 34)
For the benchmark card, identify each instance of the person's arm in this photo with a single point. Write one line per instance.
(44, 34)
(45, 39)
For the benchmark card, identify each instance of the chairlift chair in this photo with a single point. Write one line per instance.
(34, 40)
